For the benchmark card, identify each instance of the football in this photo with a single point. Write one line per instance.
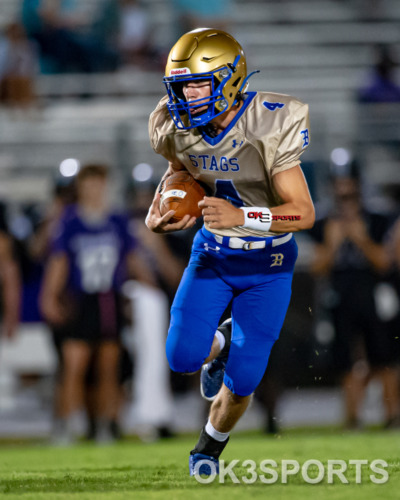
(181, 192)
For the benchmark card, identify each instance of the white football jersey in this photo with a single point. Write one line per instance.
(267, 136)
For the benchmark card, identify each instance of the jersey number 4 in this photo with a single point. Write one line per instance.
(226, 189)
(272, 106)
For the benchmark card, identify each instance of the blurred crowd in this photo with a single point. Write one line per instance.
(103, 284)
(57, 36)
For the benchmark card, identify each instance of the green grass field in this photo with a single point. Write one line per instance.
(131, 469)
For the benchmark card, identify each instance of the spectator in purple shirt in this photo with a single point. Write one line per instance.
(93, 251)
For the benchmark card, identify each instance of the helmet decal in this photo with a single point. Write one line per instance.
(179, 71)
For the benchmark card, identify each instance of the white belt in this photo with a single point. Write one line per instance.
(238, 243)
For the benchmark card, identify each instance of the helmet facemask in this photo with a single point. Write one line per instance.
(217, 103)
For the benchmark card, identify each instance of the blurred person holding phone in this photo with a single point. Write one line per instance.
(350, 252)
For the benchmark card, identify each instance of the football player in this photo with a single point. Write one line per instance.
(245, 148)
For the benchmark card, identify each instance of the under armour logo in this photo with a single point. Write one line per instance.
(235, 143)
(207, 247)
(306, 137)
(278, 259)
(272, 106)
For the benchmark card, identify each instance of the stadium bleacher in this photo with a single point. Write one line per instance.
(319, 51)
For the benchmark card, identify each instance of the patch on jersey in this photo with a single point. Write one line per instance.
(272, 106)
(306, 137)
(173, 193)
(235, 143)
(179, 72)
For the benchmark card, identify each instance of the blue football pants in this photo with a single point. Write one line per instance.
(257, 281)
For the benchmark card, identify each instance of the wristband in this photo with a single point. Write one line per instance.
(258, 218)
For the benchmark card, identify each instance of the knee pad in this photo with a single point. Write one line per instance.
(183, 357)
(189, 341)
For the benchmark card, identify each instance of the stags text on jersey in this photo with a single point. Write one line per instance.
(214, 163)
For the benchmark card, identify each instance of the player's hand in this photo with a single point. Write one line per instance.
(10, 326)
(357, 232)
(220, 214)
(160, 223)
(54, 313)
(334, 234)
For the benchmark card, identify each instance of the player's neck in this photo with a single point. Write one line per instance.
(221, 122)
(93, 211)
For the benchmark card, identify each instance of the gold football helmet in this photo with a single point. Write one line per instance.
(204, 54)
